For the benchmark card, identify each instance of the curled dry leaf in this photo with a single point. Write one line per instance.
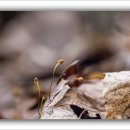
(97, 96)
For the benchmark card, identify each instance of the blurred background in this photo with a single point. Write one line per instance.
(32, 42)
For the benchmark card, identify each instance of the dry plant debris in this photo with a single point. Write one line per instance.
(92, 96)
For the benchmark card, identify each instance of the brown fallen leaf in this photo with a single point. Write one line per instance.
(95, 75)
(84, 94)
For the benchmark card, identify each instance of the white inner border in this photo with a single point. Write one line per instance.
(65, 5)
(65, 125)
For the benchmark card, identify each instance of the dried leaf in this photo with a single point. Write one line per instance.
(69, 71)
(95, 75)
(59, 95)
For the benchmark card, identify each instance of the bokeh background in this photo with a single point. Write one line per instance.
(32, 42)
